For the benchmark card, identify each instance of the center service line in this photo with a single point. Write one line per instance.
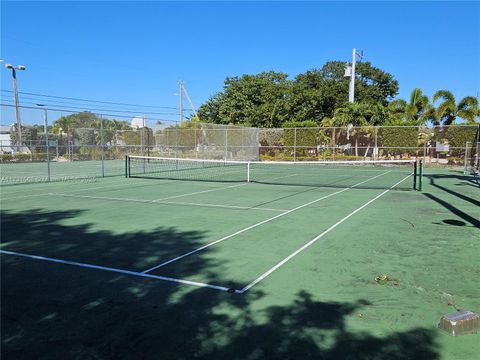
(256, 225)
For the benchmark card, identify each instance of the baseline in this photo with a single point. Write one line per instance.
(121, 271)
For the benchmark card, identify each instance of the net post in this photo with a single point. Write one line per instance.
(415, 166)
(126, 166)
(420, 175)
(248, 172)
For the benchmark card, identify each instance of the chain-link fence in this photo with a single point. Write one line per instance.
(439, 145)
(100, 150)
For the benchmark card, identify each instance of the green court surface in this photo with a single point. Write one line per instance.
(33, 172)
(117, 268)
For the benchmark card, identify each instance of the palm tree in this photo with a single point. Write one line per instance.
(417, 111)
(356, 115)
(468, 109)
(448, 110)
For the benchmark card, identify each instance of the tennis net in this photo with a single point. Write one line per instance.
(339, 174)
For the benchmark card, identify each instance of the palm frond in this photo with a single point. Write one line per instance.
(446, 95)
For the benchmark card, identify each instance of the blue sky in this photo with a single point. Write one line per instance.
(136, 52)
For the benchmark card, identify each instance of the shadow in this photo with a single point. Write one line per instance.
(455, 222)
(59, 311)
(454, 210)
(457, 175)
(47, 233)
(451, 192)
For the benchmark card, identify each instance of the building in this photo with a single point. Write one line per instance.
(5, 141)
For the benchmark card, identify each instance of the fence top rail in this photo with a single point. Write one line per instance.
(420, 127)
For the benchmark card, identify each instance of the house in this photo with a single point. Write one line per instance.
(5, 141)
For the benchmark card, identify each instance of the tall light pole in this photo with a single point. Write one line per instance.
(15, 91)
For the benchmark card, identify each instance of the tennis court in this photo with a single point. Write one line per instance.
(236, 236)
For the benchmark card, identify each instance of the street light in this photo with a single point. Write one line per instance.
(17, 112)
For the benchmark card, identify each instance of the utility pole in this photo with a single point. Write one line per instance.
(351, 89)
(350, 72)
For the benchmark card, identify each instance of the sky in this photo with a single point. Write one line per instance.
(136, 52)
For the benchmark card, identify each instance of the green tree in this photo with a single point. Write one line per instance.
(269, 99)
(29, 135)
(448, 110)
(83, 119)
(252, 100)
(372, 84)
(88, 120)
(311, 98)
(416, 112)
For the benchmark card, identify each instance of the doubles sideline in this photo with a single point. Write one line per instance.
(205, 285)
(315, 239)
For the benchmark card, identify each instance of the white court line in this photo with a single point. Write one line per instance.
(257, 224)
(47, 185)
(219, 206)
(201, 192)
(121, 271)
(218, 189)
(165, 202)
(124, 183)
(311, 242)
(21, 197)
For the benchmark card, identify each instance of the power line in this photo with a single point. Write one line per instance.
(58, 101)
(85, 108)
(76, 111)
(95, 101)
(137, 112)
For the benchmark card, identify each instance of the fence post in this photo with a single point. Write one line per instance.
(226, 143)
(176, 142)
(334, 144)
(294, 144)
(101, 145)
(468, 146)
(45, 119)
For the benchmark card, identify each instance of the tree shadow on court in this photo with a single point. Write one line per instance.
(65, 312)
(52, 234)
(447, 205)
